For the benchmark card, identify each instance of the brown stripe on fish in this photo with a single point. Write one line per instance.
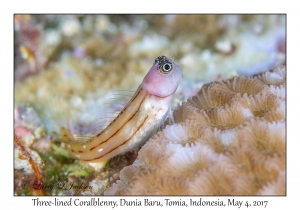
(138, 128)
(131, 108)
(119, 128)
(118, 136)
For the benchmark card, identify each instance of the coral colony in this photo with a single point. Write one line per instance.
(229, 139)
(82, 83)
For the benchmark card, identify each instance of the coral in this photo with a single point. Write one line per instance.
(229, 139)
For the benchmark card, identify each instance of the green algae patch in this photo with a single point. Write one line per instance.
(61, 151)
(59, 170)
(78, 170)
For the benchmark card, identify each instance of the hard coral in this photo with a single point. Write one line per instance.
(229, 139)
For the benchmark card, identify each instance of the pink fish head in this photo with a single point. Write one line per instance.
(163, 78)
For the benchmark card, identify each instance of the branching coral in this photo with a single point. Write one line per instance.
(229, 139)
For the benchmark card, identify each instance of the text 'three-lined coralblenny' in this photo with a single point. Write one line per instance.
(142, 115)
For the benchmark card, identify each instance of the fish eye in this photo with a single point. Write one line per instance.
(166, 68)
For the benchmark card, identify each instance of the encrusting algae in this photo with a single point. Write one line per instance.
(229, 139)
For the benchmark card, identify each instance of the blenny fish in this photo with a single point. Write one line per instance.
(142, 115)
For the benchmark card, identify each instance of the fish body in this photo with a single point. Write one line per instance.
(142, 115)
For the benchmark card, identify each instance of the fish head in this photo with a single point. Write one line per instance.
(163, 77)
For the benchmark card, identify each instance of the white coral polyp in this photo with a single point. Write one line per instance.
(277, 130)
(246, 112)
(176, 133)
(182, 157)
(281, 71)
(272, 78)
(226, 137)
(278, 91)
